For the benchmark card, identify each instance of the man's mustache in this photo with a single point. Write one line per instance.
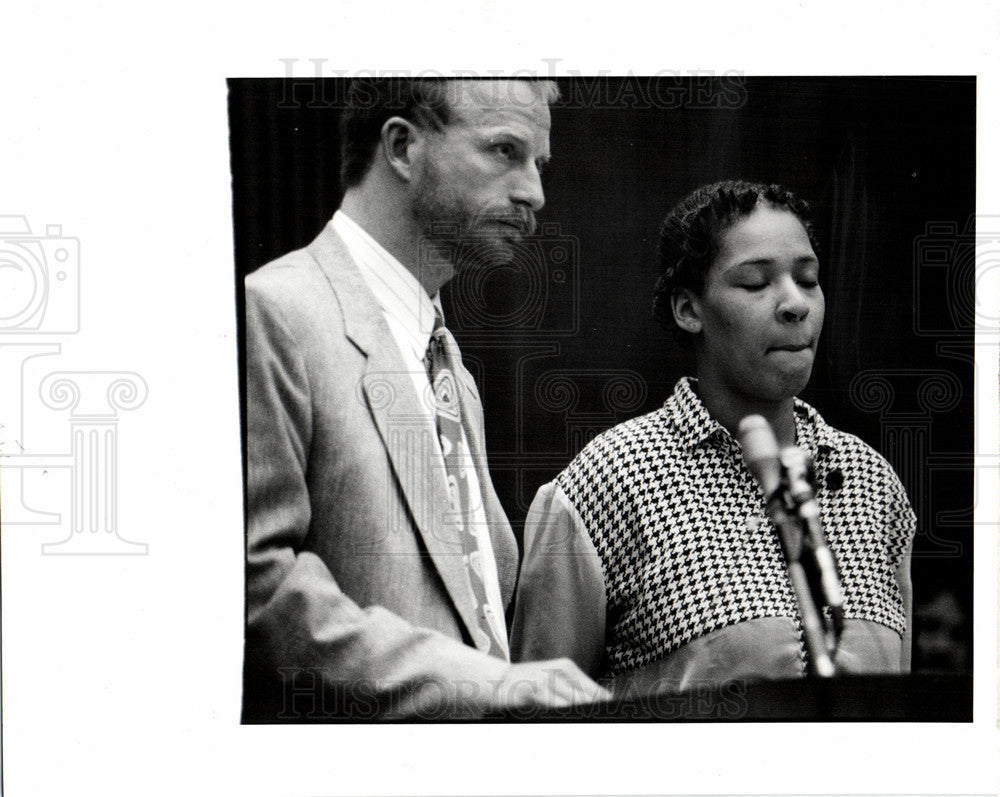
(525, 221)
(444, 229)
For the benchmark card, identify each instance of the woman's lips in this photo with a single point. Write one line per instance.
(793, 347)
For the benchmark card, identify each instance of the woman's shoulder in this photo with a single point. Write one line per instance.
(615, 448)
(821, 435)
(859, 466)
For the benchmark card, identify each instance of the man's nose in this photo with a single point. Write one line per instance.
(528, 188)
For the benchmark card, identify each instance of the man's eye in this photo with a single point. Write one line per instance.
(506, 151)
(753, 286)
(809, 283)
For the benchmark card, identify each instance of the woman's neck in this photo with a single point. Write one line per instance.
(729, 408)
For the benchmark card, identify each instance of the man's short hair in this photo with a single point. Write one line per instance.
(371, 101)
(691, 233)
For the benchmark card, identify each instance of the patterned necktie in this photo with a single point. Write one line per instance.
(449, 429)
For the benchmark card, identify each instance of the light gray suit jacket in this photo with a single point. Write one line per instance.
(358, 602)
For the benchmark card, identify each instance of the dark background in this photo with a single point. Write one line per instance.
(562, 342)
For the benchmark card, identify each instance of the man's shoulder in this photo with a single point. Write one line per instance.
(297, 283)
(293, 294)
(284, 274)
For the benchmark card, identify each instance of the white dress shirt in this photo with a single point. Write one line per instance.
(409, 313)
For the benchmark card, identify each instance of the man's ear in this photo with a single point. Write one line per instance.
(401, 143)
(687, 310)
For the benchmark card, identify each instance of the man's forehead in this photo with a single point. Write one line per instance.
(485, 102)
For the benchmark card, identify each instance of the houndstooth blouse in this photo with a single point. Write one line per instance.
(650, 562)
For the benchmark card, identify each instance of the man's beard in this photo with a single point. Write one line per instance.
(462, 236)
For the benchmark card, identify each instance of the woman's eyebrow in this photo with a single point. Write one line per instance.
(767, 261)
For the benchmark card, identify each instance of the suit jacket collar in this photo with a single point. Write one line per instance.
(363, 321)
(404, 426)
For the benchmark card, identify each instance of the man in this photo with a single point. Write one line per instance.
(380, 562)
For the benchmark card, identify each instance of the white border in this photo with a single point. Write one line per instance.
(122, 677)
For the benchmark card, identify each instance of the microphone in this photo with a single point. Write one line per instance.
(760, 450)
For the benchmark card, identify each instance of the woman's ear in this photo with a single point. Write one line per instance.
(402, 142)
(687, 310)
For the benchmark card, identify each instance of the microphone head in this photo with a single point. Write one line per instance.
(760, 451)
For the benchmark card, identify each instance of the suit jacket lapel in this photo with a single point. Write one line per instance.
(404, 426)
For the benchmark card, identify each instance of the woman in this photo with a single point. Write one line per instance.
(649, 560)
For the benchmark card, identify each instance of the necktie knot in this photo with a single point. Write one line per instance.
(434, 358)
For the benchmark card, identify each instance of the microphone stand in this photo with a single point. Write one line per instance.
(821, 565)
(790, 502)
(782, 512)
